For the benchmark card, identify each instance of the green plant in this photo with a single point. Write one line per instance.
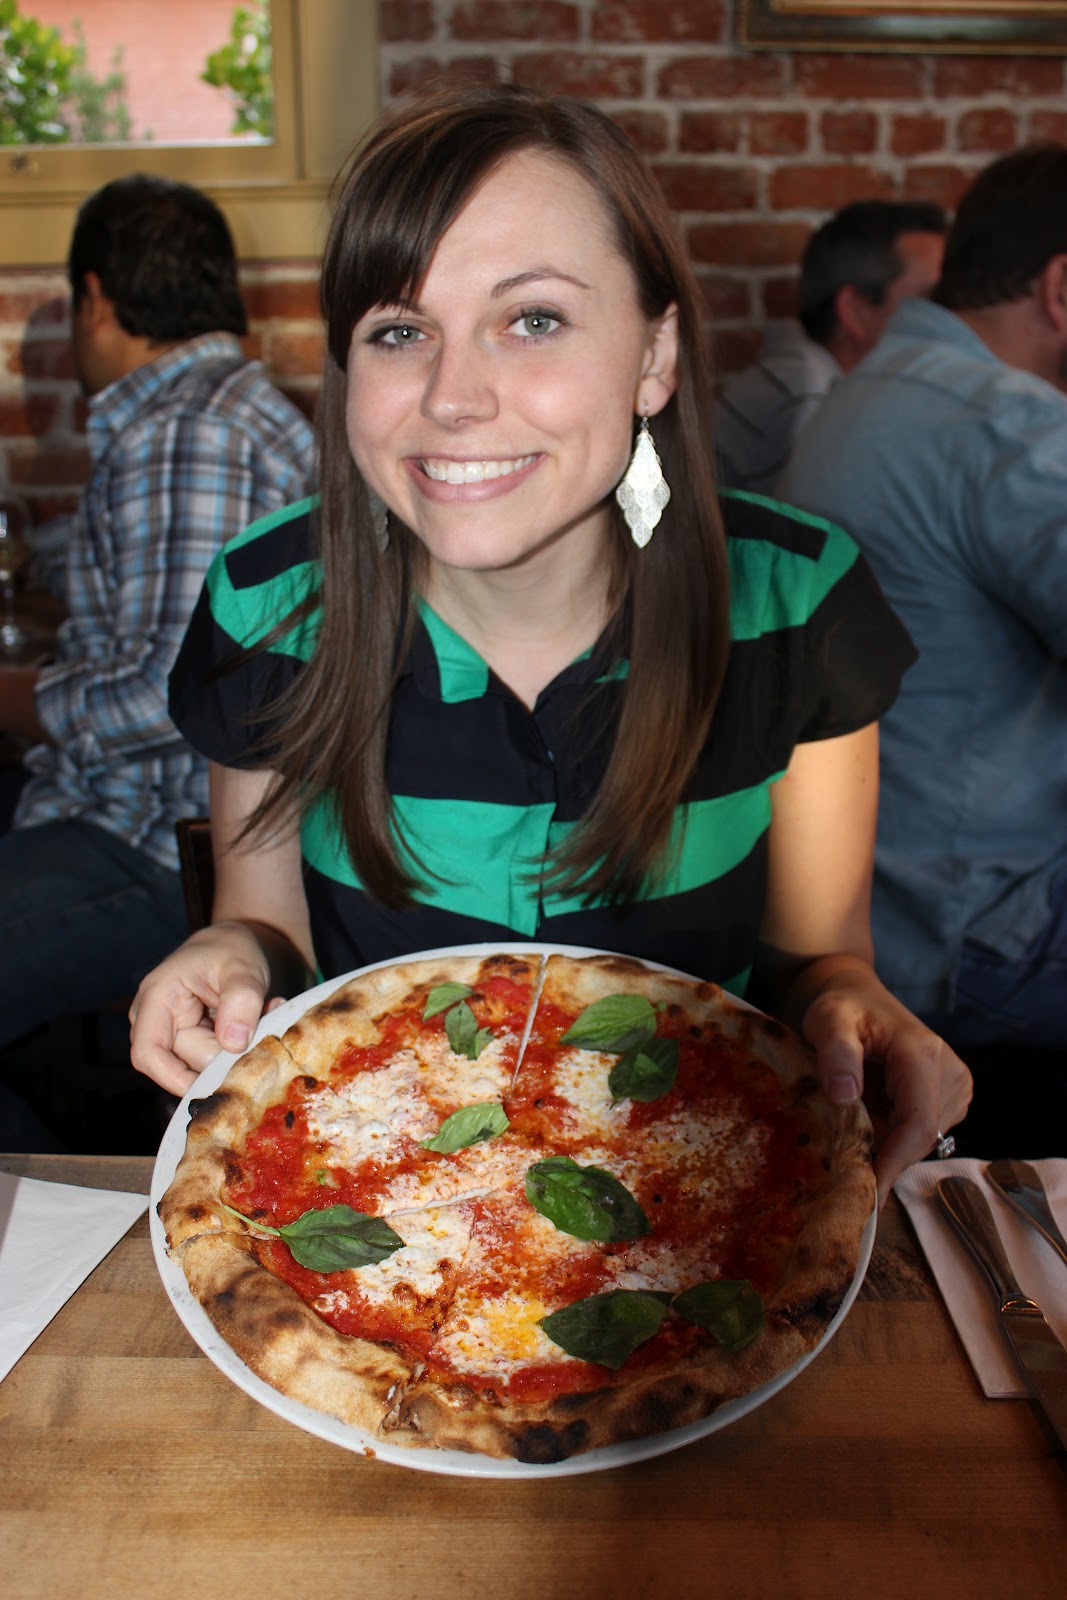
(242, 68)
(47, 93)
(97, 106)
(35, 74)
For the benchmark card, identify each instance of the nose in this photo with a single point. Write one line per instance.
(460, 388)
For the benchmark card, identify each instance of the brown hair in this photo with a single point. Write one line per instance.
(1009, 225)
(403, 190)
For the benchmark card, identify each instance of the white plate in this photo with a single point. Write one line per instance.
(453, 1462)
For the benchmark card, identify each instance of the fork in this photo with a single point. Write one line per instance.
(1022, 1188)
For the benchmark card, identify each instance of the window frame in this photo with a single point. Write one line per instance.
(274, 195)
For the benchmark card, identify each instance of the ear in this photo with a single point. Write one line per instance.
(659, 371)
(1050, 290)
(855, 315)
(94, 307)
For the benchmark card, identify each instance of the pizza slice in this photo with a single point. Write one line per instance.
(412, 1065)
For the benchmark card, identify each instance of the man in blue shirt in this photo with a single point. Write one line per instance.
(945, 454)
(189, 443)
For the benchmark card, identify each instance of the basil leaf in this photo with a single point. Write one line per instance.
(464, 1034)
(606, 1327)
(729, 1308)
(338, 1237)
(586, 1202)
(441, 996)
(617, 1022)
(646, 1071)
(333, 1239)
(467, 1126)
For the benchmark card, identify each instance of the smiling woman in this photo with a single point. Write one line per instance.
(495, 414)
(453, 700)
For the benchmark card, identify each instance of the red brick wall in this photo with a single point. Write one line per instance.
(42, 413)
(753, 149)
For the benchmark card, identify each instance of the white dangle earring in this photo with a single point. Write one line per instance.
(643, 492)
(379, 516)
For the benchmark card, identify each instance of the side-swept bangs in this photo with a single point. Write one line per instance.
(409, 182)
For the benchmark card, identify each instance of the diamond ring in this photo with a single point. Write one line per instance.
(945, 1147)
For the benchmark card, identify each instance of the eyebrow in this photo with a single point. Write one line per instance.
(505, 286)
(535, 275)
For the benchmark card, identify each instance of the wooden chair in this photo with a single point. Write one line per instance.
(197, 868)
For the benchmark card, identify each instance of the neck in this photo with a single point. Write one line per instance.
(845, 350)
(531, 620)
(1016, 335)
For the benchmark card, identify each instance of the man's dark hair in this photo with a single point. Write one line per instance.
(857, 247)
(164, 257)
(1010, 224)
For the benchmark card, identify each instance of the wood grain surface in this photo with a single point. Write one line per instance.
(131, 1469)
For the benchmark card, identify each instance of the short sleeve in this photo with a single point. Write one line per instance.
(856, 653)
(253, 628)
(824, 652)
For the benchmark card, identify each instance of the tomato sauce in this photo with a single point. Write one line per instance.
(744, 1231)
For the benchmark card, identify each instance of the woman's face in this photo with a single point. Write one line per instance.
(495, 415)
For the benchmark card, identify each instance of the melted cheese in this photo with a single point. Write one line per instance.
(451, 1081)
(581, 1080)
(497, 1337)
(476, 1170)
(435, 1243)
(363, 1116)
(498, 1333)
(721, 1154)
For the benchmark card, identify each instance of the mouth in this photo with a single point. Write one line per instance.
(446, 471)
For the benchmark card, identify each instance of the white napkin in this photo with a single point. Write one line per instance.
(967, 1292)
(52, 1235)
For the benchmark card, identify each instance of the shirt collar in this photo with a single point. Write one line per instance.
(116, 406)
(445, 667)
(788, 340)
(922, 319)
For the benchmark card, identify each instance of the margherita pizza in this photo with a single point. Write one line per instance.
(522, 1206)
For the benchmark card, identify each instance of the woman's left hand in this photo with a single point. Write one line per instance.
(868, 1044)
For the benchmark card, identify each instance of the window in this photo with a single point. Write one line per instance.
(274, 194)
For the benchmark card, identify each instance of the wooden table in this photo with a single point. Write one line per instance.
(131, 1467)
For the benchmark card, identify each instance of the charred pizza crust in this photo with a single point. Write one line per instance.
(394, 1392)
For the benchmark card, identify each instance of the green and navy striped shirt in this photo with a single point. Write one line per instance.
(482, 786)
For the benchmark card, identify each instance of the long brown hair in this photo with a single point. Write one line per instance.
(404, 189)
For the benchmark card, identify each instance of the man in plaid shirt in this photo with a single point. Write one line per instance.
(190, 442)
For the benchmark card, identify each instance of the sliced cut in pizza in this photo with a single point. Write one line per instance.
(709, 1111)
(341, 1109)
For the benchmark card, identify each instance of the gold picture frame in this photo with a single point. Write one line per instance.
(1028, 27)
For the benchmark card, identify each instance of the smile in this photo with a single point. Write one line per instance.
(473, 471)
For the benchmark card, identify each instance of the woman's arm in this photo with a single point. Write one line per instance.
(209, 995)
(815, 968)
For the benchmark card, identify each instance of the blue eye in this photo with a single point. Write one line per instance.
(536, 324)
(397, 335)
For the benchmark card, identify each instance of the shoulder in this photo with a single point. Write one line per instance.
(246, 396)
(206, 394)
(264, 572)
(784, 562)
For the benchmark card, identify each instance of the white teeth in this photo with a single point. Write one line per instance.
(473, 471)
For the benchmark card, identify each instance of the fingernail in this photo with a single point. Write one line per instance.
(234, 1035)
(844, 1087)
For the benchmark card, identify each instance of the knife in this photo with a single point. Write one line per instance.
(1039, 1353)
(1022, 1188)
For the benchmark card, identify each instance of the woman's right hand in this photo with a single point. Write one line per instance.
(206, 997)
